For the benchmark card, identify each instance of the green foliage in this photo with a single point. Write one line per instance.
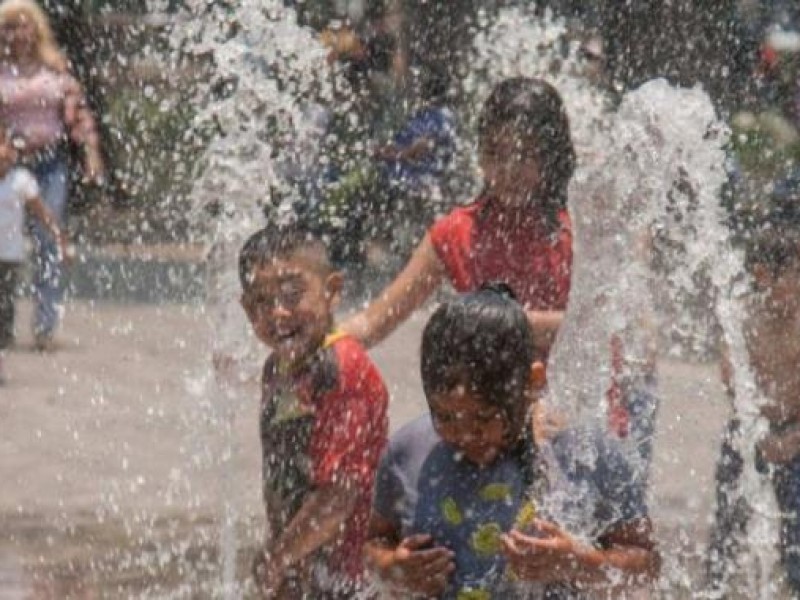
(152, 151)
(760, 155)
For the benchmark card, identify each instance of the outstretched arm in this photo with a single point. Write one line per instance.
(415, 283)
(419, 149)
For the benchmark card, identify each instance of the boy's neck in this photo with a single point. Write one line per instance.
(292, 365)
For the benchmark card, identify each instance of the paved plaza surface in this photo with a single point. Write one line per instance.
(127, 473)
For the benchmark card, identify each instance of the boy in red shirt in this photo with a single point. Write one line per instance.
(323, 420)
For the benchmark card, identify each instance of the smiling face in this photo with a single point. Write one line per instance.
(290, 303)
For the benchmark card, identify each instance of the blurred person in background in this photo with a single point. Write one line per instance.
(44, 109)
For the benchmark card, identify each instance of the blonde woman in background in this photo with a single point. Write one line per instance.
(42, 107)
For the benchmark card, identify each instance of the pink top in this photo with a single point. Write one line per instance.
(37, 107)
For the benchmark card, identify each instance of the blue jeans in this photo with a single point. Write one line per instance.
(50, 170)
(786, 482)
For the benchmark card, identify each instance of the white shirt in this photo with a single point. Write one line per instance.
(16, 188)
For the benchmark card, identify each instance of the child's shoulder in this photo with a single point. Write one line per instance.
(346, 345)
(353, 365)
(348, 352)
(414, 440)
(460, 219)
(592, 452)
(588, 443)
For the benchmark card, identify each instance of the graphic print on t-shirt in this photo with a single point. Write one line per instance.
(287, 421)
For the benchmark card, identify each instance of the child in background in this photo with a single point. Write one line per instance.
(415, 166)
(483, 498)
(323, 419)
(772, 332)
(517, 231)
(18, 193)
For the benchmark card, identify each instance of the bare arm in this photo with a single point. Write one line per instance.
(420, 148)
(627, 557)
(628, 550)
(412, 566)
(545, 325)
(382, 541)
(315, 525)
(415, 283)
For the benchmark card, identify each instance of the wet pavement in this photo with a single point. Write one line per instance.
(126, 474)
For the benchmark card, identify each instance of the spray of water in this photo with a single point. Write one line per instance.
(664, 154)
(653, 164)
(265, 73)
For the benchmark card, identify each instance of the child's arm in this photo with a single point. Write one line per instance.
(420, 277)
(38, 209)
(315, 525)
(545, 324)
(417, 150)
(626, 558)
(412, 566)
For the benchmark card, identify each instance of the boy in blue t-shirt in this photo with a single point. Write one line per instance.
(419, 158)
(476, 501)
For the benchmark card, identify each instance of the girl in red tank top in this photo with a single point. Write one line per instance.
(517, 231)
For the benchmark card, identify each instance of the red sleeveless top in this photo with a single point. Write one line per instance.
(479, 244)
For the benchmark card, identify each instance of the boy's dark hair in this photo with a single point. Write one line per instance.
(281, 241)
(481, 340)
(534, 109)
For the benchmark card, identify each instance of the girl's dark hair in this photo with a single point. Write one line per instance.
(534, 109)
(481, 340)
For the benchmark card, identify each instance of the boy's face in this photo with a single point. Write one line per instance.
(470, 425)
(474, 427)
(290, 304)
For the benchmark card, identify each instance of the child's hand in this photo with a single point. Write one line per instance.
(550, 555)
(267, 576)
(67, 251)
(418, 568)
